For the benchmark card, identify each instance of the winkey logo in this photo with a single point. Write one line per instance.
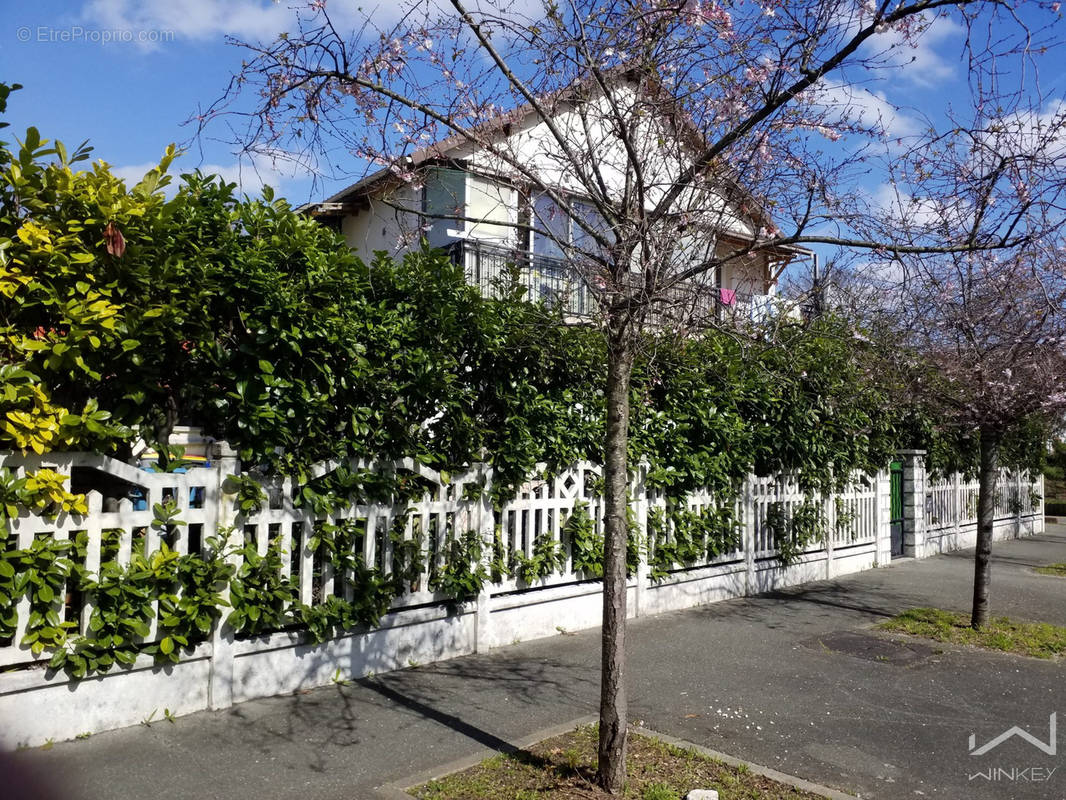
(1016, 774)
(1051, 748)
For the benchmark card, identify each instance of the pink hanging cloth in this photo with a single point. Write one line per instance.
(728, 296)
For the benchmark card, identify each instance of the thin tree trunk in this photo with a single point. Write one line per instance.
(613, 702)
(986, 515)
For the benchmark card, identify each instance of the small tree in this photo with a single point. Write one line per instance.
(676, 139)
(980, 340)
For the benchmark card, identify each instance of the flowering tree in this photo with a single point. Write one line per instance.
(661, 142)
(979, 338)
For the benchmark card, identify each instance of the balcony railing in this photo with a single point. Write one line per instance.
(495, 269)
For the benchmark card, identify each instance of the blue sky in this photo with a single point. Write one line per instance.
(130, 98)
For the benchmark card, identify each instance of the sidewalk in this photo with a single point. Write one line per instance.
(763, 679)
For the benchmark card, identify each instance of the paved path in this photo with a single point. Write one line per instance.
(763, 679)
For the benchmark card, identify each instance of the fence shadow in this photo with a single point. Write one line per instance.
(460, 697)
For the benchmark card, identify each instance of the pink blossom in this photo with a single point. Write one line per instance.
(697, 13)
(757, 74)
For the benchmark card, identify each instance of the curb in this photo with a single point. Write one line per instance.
(396, 790)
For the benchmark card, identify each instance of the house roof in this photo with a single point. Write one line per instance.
(342, 201)
(356, 196)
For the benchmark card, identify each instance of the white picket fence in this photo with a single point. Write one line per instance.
(951, 509)
(422, 626)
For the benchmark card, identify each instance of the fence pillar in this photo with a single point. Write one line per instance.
(1019, 503)
(958, 505)
(747, 514)
(914, 484)
(487, 531)
(220, 681)
(882, 518)
(1038, 508)
(640, 509)
(829, 504)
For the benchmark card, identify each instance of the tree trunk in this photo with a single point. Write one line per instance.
(986, 515)
(613, 703)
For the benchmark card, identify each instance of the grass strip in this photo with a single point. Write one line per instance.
(1052, 569)
(564, 768)
(1037, 639)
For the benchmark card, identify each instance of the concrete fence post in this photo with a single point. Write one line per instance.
(487, 531)
(957, 499)
(830, 532)
(220, 680)
(914, 489)
(748, 516)
(883, 518)
(640, 509)
(1019, 503)
(1038, 509)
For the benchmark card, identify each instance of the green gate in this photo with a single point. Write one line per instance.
(895, 472)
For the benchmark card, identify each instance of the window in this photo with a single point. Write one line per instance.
(451, 193)
(593, 221)
(443, 195)
(553, 228)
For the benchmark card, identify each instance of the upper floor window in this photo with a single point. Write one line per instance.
(690, 247)
(443, 199)
(555, 231)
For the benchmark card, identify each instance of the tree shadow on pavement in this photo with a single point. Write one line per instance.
(461, 695)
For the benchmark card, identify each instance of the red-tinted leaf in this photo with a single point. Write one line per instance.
(113, 239)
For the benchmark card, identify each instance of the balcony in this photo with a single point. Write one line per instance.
(495, 268)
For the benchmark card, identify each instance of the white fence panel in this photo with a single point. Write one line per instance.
(538, 514)
(853, 534)
(952, 500)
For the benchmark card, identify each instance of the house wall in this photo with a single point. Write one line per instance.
(384, 225)
(590, 130)
(387, 225)
(491, 201)
(531, 145)
(749, 276)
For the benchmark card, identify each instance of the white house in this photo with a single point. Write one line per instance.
(471, 195)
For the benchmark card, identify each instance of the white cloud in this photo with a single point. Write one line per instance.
(193, 19)
(250, 177)
(901, 207)
(925, 62)
(1031, 132)
(263, 20)
(133, 173)
(854, 105)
